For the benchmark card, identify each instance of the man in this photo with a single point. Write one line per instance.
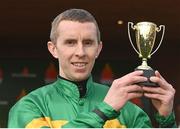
(74, 100)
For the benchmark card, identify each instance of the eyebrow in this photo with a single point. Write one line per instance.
(85, 39)
(92, 40)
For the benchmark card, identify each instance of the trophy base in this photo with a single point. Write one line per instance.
(148, 73)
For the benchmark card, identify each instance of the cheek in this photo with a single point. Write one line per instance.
(93, 52)
(63, 58)
(64, 53)
(92, 58)
(95, 55)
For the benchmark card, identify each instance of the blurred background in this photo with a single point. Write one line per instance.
(26, 64)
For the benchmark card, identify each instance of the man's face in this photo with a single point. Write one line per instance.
(77, 48)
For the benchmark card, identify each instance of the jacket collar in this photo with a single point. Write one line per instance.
(72, 89)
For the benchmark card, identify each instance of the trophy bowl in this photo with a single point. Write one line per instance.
(145, 33)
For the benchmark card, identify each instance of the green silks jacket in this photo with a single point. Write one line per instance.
(59, 105)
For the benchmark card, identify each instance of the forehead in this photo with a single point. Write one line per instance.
(70, 27)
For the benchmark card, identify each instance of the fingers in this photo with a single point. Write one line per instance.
(165, 88)
(155, 90)
(124, 89)
(164, 93)
(135, 73)
(134, 95)
(160, 81)
(159, 75)
(131, 78)
(165, 98)
(134, 91)
(154, 96)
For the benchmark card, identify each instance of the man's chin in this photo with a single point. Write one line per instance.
(81, 78)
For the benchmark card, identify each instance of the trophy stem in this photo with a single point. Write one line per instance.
(144, 62)
(144, 65)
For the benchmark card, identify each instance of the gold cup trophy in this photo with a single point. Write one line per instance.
(145, 33)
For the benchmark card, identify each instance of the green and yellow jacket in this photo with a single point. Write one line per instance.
(59, 105)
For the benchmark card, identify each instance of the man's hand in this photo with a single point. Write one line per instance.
(124, 89)
(163, 96)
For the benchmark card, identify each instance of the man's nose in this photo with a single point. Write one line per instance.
(80, 50)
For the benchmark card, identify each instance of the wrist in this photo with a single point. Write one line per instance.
(166, 121)
(105, 111)
(165, 113)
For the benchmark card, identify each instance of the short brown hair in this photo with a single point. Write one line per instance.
(79, 15)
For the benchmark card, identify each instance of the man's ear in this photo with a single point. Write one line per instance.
(52, 49)
(100, 45)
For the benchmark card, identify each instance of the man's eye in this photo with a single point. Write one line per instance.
(88, 43)
(70, 42)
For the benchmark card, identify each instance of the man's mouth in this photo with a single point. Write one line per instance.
(79, 64)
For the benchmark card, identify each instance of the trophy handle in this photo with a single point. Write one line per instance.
(130, 24)
(158, 30)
